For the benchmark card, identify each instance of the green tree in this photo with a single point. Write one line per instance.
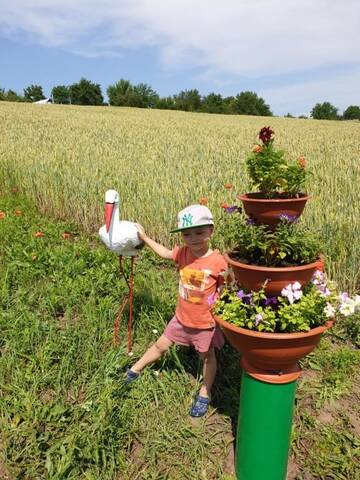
(85, 92)
(120, 93)
(12, 96)
(166, 103)
(33, 93)
(212, 103)
(61, 94)
(324, 111)
(249, 103)
(352, 113)
(188, 100)
(229, 104)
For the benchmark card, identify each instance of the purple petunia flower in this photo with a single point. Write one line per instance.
(288, 218)
(245, 297)
(211, 299)
(271, 301)
(250, 221)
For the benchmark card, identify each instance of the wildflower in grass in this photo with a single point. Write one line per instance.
(66, 235)
(229, 186)
(39, 234)
(18, 213)
(155, 331)
(301, 161)
(224, 205)
(203, 201)
(250, 221)
(232, 209)
(2, 215)
(14, 190)
(266, 134)
(257, 149)
(292, 292)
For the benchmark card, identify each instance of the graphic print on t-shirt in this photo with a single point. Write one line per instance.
(192, 284)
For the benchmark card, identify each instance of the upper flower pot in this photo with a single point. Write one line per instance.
(253, 277)
(267, 211)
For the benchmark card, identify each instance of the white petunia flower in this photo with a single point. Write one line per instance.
(329, 310)
(347, 308)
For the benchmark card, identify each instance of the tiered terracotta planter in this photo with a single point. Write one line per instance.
(253, 277)
(268, 211)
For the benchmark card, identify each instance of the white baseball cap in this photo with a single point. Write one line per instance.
(194, 216)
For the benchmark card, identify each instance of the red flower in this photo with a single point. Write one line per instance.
(265, 134)
(2, 215)
(39, 234)
(224, 205)
(66, 235)
(228, 186)
(18, 213)
(301, 161)
(257, 149)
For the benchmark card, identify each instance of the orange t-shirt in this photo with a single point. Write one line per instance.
(199, 279)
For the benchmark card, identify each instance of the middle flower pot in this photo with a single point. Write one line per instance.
(253, 277)
(267, 211)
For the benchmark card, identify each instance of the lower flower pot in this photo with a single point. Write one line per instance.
(267, 211)
(253, 277)
(276, 354)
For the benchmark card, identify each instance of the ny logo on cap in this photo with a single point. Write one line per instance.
(187, 220)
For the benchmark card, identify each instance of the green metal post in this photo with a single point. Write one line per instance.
(264, 429)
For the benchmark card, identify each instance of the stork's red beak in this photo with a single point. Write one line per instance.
(109, 207)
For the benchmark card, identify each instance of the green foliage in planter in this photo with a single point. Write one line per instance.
(271, 173)
(256, 311)
(289, 244)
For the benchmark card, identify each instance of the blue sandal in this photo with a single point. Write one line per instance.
(131, 376)
(200, 406)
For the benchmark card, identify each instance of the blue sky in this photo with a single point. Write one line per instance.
(294, 54)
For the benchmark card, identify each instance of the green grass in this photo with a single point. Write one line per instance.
(65, 412)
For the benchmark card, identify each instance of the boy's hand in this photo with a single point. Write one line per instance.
(141, 231)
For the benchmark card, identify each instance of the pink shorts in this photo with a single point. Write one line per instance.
(201, 340)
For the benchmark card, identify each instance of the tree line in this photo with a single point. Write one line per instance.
(125, 94)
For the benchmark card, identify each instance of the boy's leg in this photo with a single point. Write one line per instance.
(152, 354)
(209, 371)
(201, 403)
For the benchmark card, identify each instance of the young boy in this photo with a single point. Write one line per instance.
(201, 272)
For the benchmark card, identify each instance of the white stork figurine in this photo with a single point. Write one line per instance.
(122, 238)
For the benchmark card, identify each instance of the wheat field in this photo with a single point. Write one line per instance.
(66, 157)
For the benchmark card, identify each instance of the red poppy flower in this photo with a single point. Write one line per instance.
(301, 161)
(224, 205)
(228, 186)
(203, 201)
(18, 213)
(66, 235)
(2, 215)
(39, 234)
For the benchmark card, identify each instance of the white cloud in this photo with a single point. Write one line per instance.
(245, 37)
(341, 90)
(232, 39)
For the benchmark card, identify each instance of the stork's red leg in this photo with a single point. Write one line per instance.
(130, 305)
